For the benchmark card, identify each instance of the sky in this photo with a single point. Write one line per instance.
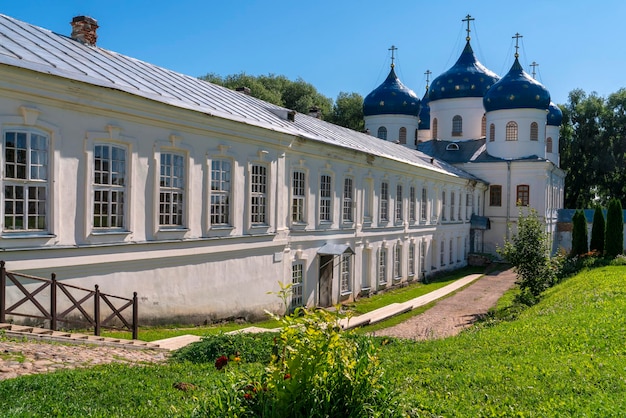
(343, 45)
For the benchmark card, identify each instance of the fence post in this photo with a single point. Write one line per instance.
(135, 316)
(3, 283)
(53, 302)
(96, 311)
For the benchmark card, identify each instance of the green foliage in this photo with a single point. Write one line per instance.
(348, 111)
(250, 348)
(614, 236)
(597, 231)
(579, 234)
(528, 252)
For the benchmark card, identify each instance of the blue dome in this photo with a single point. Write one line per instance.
(555, 116)
(517, 90)
(424, 117)
(466, 78)
(391, 98)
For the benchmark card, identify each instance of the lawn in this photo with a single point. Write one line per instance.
(565, 356)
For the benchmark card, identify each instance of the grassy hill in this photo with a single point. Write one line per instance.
(566, 356)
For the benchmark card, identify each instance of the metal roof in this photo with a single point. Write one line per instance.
(30, 47)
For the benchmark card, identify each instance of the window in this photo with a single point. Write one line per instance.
(511, 131)
(423, 256)
(109, 186)
(411, 259)
(534, 131)
(435, 128)
(402, 135)
(483, 126)
(297, 279)
(443, 205)
(382, 133)
(523, 194)
(468, 205)
(25, 181)
(412, 199)
(459, 215)
(172, 189)
(492, 132)
(495, 196)
(423, 205)
(326, 198)
(549, 145)
(457, 126)
(384, 201)
(442, 261)
(450, 254)
(382, 266)
(258, 195)
(397, 262)
(399, 207)
(220, 192)
(348, 203)
(345, 274)
(298, 197)
(452, 208)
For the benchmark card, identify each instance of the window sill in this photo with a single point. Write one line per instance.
(297, 226)
(104, 232)
(173, 229)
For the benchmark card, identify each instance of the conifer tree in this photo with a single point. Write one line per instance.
(579, 234)
(597, 231)
(614, 235)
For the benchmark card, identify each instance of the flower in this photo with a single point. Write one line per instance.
(247, 396)
(221, 362)
(287, 376)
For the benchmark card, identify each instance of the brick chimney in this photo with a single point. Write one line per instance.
(84, 30)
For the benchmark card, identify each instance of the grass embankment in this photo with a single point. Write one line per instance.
(565, 356)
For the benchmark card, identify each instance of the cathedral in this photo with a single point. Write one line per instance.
(503, 130)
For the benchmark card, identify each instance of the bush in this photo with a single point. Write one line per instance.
(597, 231)
(250, 348)
(614, 236)
(528, 252)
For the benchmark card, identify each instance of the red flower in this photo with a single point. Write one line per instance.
(221, 362)
(287, 376)
(247, 396)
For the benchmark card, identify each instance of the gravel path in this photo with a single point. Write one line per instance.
(457, 312)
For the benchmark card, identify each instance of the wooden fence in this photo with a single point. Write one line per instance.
(32, 296)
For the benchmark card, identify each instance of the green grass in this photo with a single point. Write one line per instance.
(565, 356)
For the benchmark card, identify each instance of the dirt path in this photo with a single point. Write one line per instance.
(451, 315)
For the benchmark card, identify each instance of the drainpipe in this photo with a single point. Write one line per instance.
(508, 197)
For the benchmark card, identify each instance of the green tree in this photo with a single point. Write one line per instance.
(348, 111)
(579, 234)
(529, 252)
(614, 235)
(597, 231)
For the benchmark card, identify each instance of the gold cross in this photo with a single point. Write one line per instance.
(468, 19)
(517, 37)
(428, 73)
(534, 65)
(392, 49)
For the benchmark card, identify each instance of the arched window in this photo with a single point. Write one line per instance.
(402, 135)
(435, 125)
(492, 132)
(483, 126)
(511, 131)
(382, 133)
(457, 126)
(549, 145)
(534, 131)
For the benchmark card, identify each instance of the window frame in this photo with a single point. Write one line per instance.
(492, 132)
(435, 128)
(177, 177)
(522, 195)
(411, 259)
(297, 285)
(220, 199)
(382, 133)
(121, 215)
(399, 204)
(325, 201)
(298, 197)
(511, 131)
(27, 182)
(382, 266)
(258, 195)
(457, 125)
(402, 135)
(345, 274)
(424, 205)
(534, 131)
(495, 195)
(549, 145)
(397, 262)
(347, 205)
(383, 214)
(412, 204)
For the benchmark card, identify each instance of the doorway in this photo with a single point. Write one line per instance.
(326, 281)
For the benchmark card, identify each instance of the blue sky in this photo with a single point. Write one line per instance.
(342, 45)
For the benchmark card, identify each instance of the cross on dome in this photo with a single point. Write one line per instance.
(428, 73)
(468, 19)
(393, 49)
(534, 65)
(517, 38)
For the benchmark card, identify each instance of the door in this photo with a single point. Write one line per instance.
(326, 281)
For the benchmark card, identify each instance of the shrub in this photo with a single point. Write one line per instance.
(579, 234)
(620, 260)
(614, 236)
(251, 348)
(528, 252)
(597, 231)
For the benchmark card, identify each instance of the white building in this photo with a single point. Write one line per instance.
(120, 173)
(505, 132)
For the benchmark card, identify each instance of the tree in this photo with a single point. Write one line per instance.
(348, 111)
(597, 231)
(579, 234)
(614, 235)
(529, 252)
